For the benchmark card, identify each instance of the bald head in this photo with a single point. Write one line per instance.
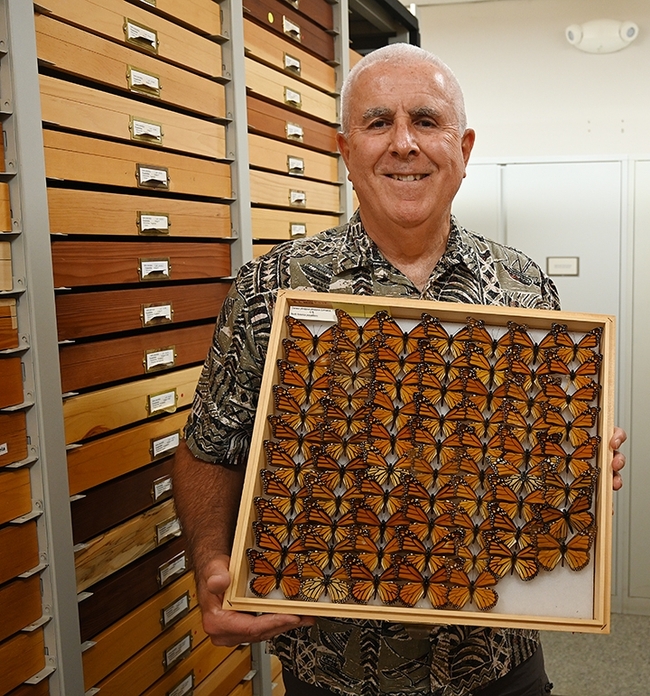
(401, 54)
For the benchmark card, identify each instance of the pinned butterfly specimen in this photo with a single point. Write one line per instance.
(465, 438)
(339, 447)
(467, 386)
(517, 337)
(424, 357)
(274, 551)
(417, 466)
(335, 418)
(582, 376)
(365, 585)
(577, 401)
(314, 520)
(475, 334)
(390, 332)
(348, 378)
(381, 470)
(286, 468)
(422, 525)
(457, 520)
(559, 492)
(346, 400)
(509, 416)
(460, 496)
(293, 412)
(308, 342)
(574, 551)
(577, 462)
(329, 501)
(387, 442)
(576, 518)
(422, 413)
(367, 551)
(378, 499)
(366, 522)
(389, 358)
(269, 577)
(325, 554)
(292, 441)
(505, 559)
(524, 479)
(500, 527)
(559, 341)
(333, 472)
(512, 391)
(471, 561)
(310, 369)
(460, 466)
(315, 582)
(467, 412)
(384, 409)
(504, 444)
(479, 592)
(440, 555)
(526, 507)
(398, 388)
(414, 586)
(437, 336)
(303, 390)
(285, 499)
(275, 522)
(576, 430)
(414, 493)
(354, 355)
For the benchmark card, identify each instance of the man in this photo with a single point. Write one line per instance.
(406, 146)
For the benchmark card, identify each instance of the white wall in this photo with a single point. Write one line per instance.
(529, 92)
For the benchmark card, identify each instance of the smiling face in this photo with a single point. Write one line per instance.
(403, 149)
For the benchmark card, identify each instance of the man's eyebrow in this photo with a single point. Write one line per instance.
(376, 112)
(425, 112)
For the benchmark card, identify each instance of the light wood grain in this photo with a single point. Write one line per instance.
(276, 224)
(203, 16)
(8, 323)
(5, 208)
(275, 189)
(227, 675)
(6, 277)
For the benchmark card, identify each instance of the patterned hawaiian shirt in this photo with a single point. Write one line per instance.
(355, 657)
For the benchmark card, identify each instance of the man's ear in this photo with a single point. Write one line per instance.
(344, 148)
(467, 143)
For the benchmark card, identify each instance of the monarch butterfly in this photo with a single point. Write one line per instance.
(526, 507)
(338, 420)
(384, 410)
(313, 519)
(352, 354)
(467, 386)
(310, 369)
(577, 462)
(512, 390)
(508, 415)
(325, 554)
(287, 469)
(293, 442)
(274, 551)
(333, 503)
(293, 413)
(558, 492)
(345, 400)
(505, 445)
(333, 472)
(457, 521)
(392, 334)
(415, 586)
(366, 551)
(576, 518)
(575, 551)
(274, 520)
(315, 582)
(576, 402)
(440, 555)
(424, 357)
(500, 527)
(479, 591)
(389, 358)
(301, 389)
(378, 499)
(559, 340)
(348, 378)
(286, 500)
(463, 497)
(474, 333)
(308, 342)
(437, 337)
(420, 524)
(382, 471)
(517, 337)
(463, 437)
(398, 388)
(504, 560)
(519, 479)
(338, 446)
(418, 467)
(576, 430)
(366, 521)
(389, 443)
(270, 577)
(472, 562)
(365, 585)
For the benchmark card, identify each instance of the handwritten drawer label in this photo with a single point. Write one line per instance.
(4, 449)
(143, 82)
(312, 313)
(175, 566)
(152, 177)
(184, 687)
(292, 98)
(165, 445)
(153, 223)
(294, 132)
(297, 198)
(296, 165)
(292, 64)
(291, 29)
(177, 652)
(166, 530)
(162, 402)
(297, 229)
(159, 359)
(145, 131)
(155, 269)
(162, 488)
(156, 314)
(176, 610)
(141, 36)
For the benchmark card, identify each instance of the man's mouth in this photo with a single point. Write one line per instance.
(407, 177)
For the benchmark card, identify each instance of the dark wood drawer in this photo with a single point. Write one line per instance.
(227, 675)
(18, 550)
(21, 605)
(13, 437)
(8, 323)
(21, 657)
(15, 494)
(11, 378)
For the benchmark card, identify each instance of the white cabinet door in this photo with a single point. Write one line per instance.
(478, 202)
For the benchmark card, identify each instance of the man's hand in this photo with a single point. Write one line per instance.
(234, 627)
(618, 462)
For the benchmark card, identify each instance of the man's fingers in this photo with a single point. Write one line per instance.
(218, 583)
(236, 627)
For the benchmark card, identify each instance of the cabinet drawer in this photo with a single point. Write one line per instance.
(78, 264)
(5, 208)
(283, 124)
(227, 675)
(8, 323)
(285, 21)
(203, 16)
(15, 494)
(285, 224)
(291, 159)
(96, 313)
(11, 378)
(120, 593)
(6, 278)
(244, 689)
(87, 55)
(21, 657)
(40, 689)
(118, 500)
(18, 550)
(89, 110)
(81, 158)
(275, 189)
(21, 605)
(90, 364)
(97, 212)
(319, 11)
(133, 26)
(286, 55)
(102, 460)
(13, 437)
(271, 84)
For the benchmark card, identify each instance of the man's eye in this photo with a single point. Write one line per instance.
(379, 123)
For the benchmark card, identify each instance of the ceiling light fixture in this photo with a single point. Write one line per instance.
(602, 35)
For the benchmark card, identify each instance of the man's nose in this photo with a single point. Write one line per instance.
(404, 141)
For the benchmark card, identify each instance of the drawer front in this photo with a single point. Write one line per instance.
(274, 189)
(97, 313)
(114, 502)
(8, 323)
(90, 364)
(21, 605)
(281, 88)
(227, 675)
(284, 54)
(21, 657)
(290, 159)
(40, 689)
(135, 27)
(354, 58)
(283, 124)
(97, 212)
(106, 554)
(88, 110)
(203, 16)
(102, 460)
(6, 277)
(78, 264)
(126, 637)
(18, 550)
(284, 224)
(11, 378)
(104, 410)
(15, 494)
(13, 437)
(246, 689)
(5, 208)
(79, 52)
(80, 158)
(319, 11)
(120, 593)
(285, 21)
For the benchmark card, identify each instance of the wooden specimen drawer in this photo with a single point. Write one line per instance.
(8, 323)
(11, 378)
(109, 552)
(107, 458)
(21, 605)
(291, 159)
(5, 208)
(275, 189)
(354, 58)
(6, 278)
(285, 55)
(319, 11)
(98, 212)
(130, 634)
(114, 502)
(284, 224)
(157, 658)
(126, 23)
(18, 550)
(78, 264)
(92, 314)
(89, 110)
(15, 494)
(78, 52)
(203, 16)
(90, 364)
(21, 657)
(88, 415)
(272, 84)
(285, 21)
(81, 158)
(228, 674)
(13, 437)
(40, 689)
(283, 124)
(244, 689)
(111, 599)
